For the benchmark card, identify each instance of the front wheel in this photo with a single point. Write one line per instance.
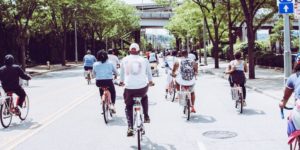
(5, 115)
(241, 102)
(24, 110)
(187, 108)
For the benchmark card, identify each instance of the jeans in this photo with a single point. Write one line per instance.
(128, 97)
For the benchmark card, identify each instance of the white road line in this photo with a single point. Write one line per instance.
(13, 142)
(201, 145)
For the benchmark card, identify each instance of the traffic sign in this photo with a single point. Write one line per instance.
(286, 8)
(285, 1)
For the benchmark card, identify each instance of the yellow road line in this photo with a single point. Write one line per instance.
(13, 142)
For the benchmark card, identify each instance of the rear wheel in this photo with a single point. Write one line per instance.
(105, 111)
(139, 136)
(295, 145)
(241, 103)
(88, 78)
(5, 115)
(24, 110)
(187, 108)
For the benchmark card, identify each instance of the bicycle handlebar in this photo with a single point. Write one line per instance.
(282, 111)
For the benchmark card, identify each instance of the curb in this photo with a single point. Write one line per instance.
(59, 69)
(208, 71)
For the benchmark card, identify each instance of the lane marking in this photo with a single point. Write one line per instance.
(13, 142)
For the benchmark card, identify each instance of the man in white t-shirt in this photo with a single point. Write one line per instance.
(136, 75)
(113, 58)
(187, 71)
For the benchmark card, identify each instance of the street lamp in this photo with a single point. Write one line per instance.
(76, 51)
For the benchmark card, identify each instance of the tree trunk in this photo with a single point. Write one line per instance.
(177, 43)
(216, 54)
(23, 54)
(230, 50)
(251, 42)
(63, 56)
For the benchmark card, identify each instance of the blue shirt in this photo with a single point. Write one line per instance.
(89, 60)
(293, 82)
(104, 71)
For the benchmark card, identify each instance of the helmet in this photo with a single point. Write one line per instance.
(8, 60)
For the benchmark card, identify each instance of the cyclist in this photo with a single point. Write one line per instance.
(88, 61)
(113, 58)
(237, 69)
(9, 77)
(187, 71)
(169, 63)
(136, 74)
(103, 70)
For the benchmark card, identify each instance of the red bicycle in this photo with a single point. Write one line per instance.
(8, 108)
(106, 105)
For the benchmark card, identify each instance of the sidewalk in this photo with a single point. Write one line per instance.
(41, 69)
(269, 82)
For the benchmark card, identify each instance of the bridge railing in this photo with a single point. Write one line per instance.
(155, 15)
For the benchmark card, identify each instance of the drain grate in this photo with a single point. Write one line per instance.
(219, 134)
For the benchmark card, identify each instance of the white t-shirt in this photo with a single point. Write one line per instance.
(135, 72)
(113, 59)
(179, 78)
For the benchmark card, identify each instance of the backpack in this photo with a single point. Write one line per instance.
(187, 69)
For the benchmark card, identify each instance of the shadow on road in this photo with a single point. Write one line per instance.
(117, 121)
(201, 119)
(60, 75)
(23, 125)
(250, 112)
(147, 144)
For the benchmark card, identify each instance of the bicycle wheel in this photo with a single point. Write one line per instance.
(187, 108)
(88, 78)
(5, 115)
(173, 92)
(241, 103)
(105, 114)
(139, 135)
(25, 109)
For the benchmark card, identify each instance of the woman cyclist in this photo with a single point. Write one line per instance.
(293, 85)
(237, 69)
(103, 70)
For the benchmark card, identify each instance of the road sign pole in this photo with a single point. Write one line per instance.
(287, 49)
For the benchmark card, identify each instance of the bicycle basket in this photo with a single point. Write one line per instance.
(235, 93)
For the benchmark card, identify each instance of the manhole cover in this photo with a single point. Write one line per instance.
(219, 134)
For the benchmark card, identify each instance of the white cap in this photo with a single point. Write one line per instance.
(134, 45)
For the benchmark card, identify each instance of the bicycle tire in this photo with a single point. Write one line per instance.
(88, 78)
(25, 109)
(139, 135)
(174, 92)
(104, 112)
(5, 107)
(241, 103)
(188, 107)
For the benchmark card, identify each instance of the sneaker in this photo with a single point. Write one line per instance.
(130, 132)
(193, 109)
(16, 111)
(146, 119)
(112, 108)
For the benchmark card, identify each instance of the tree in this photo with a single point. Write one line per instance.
(212, 13)
(18, 14)
(256, 12)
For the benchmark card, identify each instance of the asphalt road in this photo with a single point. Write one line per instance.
(65, 115)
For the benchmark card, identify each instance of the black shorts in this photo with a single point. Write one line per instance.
(86, 68)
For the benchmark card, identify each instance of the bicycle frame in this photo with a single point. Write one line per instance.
(138, 122)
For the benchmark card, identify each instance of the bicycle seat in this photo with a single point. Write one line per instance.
(293, 136)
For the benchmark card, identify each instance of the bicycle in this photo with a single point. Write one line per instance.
(138, 120)
(170, 95)
(8, 108)
(88, 76)
(237, 96)
(185, 100)
(106, 105)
